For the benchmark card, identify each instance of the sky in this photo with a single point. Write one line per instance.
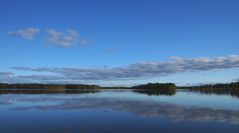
(119, 42)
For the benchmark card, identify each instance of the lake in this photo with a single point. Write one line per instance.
(119, 111)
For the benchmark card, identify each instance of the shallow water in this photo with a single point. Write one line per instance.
(117, 111)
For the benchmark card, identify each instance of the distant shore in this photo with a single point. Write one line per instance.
(150, 88)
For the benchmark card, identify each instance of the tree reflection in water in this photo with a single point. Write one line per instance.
(156, 92)
(47, 91)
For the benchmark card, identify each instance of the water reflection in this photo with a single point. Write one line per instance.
(146, 109)
(5, 102)
(156, 92)
(47, 91)
(230, 92)
(117, 112)
(233, 93)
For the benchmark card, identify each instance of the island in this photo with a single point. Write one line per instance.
(156, 89)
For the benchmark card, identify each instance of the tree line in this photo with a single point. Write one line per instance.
(47, 86)
(156, 89)
(220, 89)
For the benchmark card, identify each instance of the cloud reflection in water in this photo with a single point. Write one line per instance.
(141, 108)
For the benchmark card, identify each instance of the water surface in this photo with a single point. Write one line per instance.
(117, 111)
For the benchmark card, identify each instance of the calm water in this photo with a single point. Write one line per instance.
(118, 111)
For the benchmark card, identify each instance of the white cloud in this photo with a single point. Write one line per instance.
(138, 70)
(27, 33)
(6, 74)
(63, 39)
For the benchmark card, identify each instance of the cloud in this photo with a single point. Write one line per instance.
(6, 74)
(41, 77)
(27, 33)
(138, 70)
(63, 39)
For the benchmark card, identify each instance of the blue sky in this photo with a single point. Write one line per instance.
(119, 42)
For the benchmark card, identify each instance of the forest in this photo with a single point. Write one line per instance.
(47, 86)
(156, 89)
